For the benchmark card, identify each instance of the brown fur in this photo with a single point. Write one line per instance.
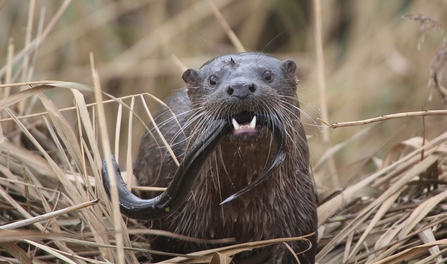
(281, 206)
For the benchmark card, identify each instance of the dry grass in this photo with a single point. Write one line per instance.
(389, 203)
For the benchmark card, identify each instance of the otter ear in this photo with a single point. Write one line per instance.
(290, 67)
(191, 77)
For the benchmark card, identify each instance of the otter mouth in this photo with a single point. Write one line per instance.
(247, 123)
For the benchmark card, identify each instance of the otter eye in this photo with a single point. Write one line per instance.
(267, 75)
(213, 79)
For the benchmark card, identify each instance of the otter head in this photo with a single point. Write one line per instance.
(254, 92)
(243, 88)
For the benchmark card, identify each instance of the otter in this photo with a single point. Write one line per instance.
(244, 169)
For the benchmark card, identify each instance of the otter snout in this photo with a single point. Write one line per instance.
(241, 90)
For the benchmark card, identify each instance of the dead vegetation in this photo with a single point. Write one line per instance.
(389, 206)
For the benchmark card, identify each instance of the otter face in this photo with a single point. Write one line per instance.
(241, 87)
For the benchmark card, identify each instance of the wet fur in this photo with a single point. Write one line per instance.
(282, 206)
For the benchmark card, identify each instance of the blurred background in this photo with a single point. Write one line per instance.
(376, 60)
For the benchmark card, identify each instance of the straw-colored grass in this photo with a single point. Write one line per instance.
(388, 202)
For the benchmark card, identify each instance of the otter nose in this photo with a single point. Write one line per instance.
(241, 90)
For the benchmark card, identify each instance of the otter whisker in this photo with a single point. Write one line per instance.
(261, 163)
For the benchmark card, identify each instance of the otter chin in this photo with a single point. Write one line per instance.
(244, 171)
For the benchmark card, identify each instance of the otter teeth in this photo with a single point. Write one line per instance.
(244, 128)
(253, 123)
(235, 124)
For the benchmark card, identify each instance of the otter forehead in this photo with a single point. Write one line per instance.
(246, 59)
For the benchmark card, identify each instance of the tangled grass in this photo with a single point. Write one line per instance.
(53, 139)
